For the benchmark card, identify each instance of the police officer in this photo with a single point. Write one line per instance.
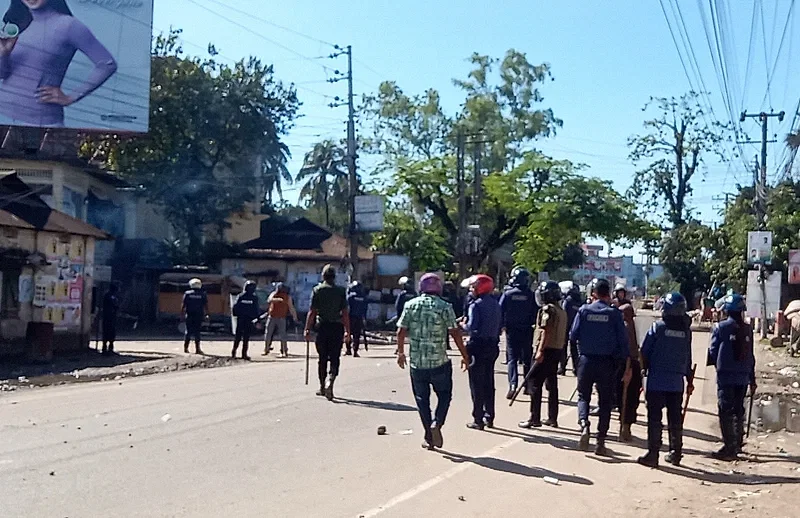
(483, 324)
(571, 304)
(602, 344)
(731, 352)
(551, 336)
(110, 310)
(357, 303)
(628, 401)
(246, 311)
(667, 359)
(408, 293)
(194, 310)
(518, 309)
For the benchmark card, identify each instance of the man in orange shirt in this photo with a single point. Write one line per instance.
(280, 305)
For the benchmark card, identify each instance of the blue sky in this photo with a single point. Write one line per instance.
(608, 57)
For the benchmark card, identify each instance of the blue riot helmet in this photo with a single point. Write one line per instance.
(249, 287)
(520, 277)
(674, 305)
(734, 304)
(548, 292)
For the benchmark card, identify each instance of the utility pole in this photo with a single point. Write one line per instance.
(761, 202)
(462, 205)
(478, 181)
(351, 155)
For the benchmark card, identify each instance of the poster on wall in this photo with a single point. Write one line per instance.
(26, 288)
(794, 266)
(759, 248)
(81, 64)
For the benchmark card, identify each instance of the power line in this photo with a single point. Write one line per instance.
(771, 74)
(749, 54)
(766, 57)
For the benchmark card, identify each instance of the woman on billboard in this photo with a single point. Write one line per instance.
(38, 41)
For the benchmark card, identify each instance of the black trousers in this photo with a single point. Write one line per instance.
(244, 328)
(570, 350)
(194, 324)
(481, 381)
(109, 334)
(656, 402)
(330, 338)
(356, 330)
(545, 374)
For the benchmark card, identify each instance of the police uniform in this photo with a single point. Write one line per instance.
(484, 348)
(194, 306)
(551, 333)
(602, 345)
(358, 305)
(667, 358)
(571, 304)
(246, 310)
(400, 302)
(631, 399)
(735, 364)
(518, 308)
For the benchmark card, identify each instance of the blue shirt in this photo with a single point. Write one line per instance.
(518, 308)
(571, 307)
(484, 320)
(357, 305)
(600, 331)
(667, 353)
(731, 371)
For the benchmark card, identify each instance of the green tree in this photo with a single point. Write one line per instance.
(325, 179)
(210, 124)
(673, 151)
(415, 235)
(686, 254)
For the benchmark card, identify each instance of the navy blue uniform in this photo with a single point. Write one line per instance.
(735, 364)
(484, 348)
(518, 308)
(245, 309)
(110, 310)
(400, 301)
(194, 307)
(357, 305)
(667, 357)
(571, 306)
(602, 344)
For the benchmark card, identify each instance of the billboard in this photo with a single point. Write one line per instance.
(759, 248)
(772, 289)
(369, 213)
(81, 64)
(794, 266)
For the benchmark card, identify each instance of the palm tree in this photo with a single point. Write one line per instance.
(325, 174)
(274, 170)
(793, 142)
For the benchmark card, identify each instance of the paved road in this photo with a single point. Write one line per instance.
(252, 440)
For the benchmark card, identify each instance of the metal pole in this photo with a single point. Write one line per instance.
(351, 165)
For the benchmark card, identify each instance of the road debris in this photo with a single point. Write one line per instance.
(381, 430)
(552, 480)
(166, 418)
(406, 432)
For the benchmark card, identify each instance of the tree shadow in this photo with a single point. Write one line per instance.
(378, 405)
(515, 468)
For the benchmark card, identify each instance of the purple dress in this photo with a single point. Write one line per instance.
(41, 57)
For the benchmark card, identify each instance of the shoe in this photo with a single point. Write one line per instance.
(511, 390)
(437, 441)
(356, 355)
(725, 454)
(348, 352)
(475, 426)
(488, 423)
(426, 445)
(321, 391)
(185, 349)
(198, 351)
(526, 392)
(233, 354)
(625, 433)
(246, 358)
(673, 458)
(650, 459)
(562, 372)
(265, 353)
(552, 423)
(329, 389)
(600, 449)
(583, 443)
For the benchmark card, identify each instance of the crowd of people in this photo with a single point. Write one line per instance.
(545, 327)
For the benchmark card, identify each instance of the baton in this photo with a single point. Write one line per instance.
(749, 416)
(523, 385)
(686, 403)
(308, 357)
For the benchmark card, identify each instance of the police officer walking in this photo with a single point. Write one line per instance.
(329, 315)
(483, 324)
(109, 321)
(357, 305)
(667, 359)
(194, 310)
(518, 309)
(247, 312)
(551, 336)
(731, 352)
(603, 345)
(571, 304)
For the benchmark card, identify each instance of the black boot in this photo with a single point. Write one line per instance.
(739, 434)
(600, 449)
(728, 451)
(233, 352)
(675, 446)
(321, 391)
(674, 457)
(329, 388)
(586, 434)
(650, 459)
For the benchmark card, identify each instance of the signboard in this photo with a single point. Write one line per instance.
(773, 291)
(794, 266)
(369, 213)
(85, 66)
(759, 248)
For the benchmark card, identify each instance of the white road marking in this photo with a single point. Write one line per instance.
(428, 484)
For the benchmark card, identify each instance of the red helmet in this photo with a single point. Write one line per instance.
(481, 284)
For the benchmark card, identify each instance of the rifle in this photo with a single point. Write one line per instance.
(688, 396)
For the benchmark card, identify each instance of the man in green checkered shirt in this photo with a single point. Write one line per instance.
(427, 321)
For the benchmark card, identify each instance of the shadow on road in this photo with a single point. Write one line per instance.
(67, 363)
(727, 478)
(514, 468)
(378, 405)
